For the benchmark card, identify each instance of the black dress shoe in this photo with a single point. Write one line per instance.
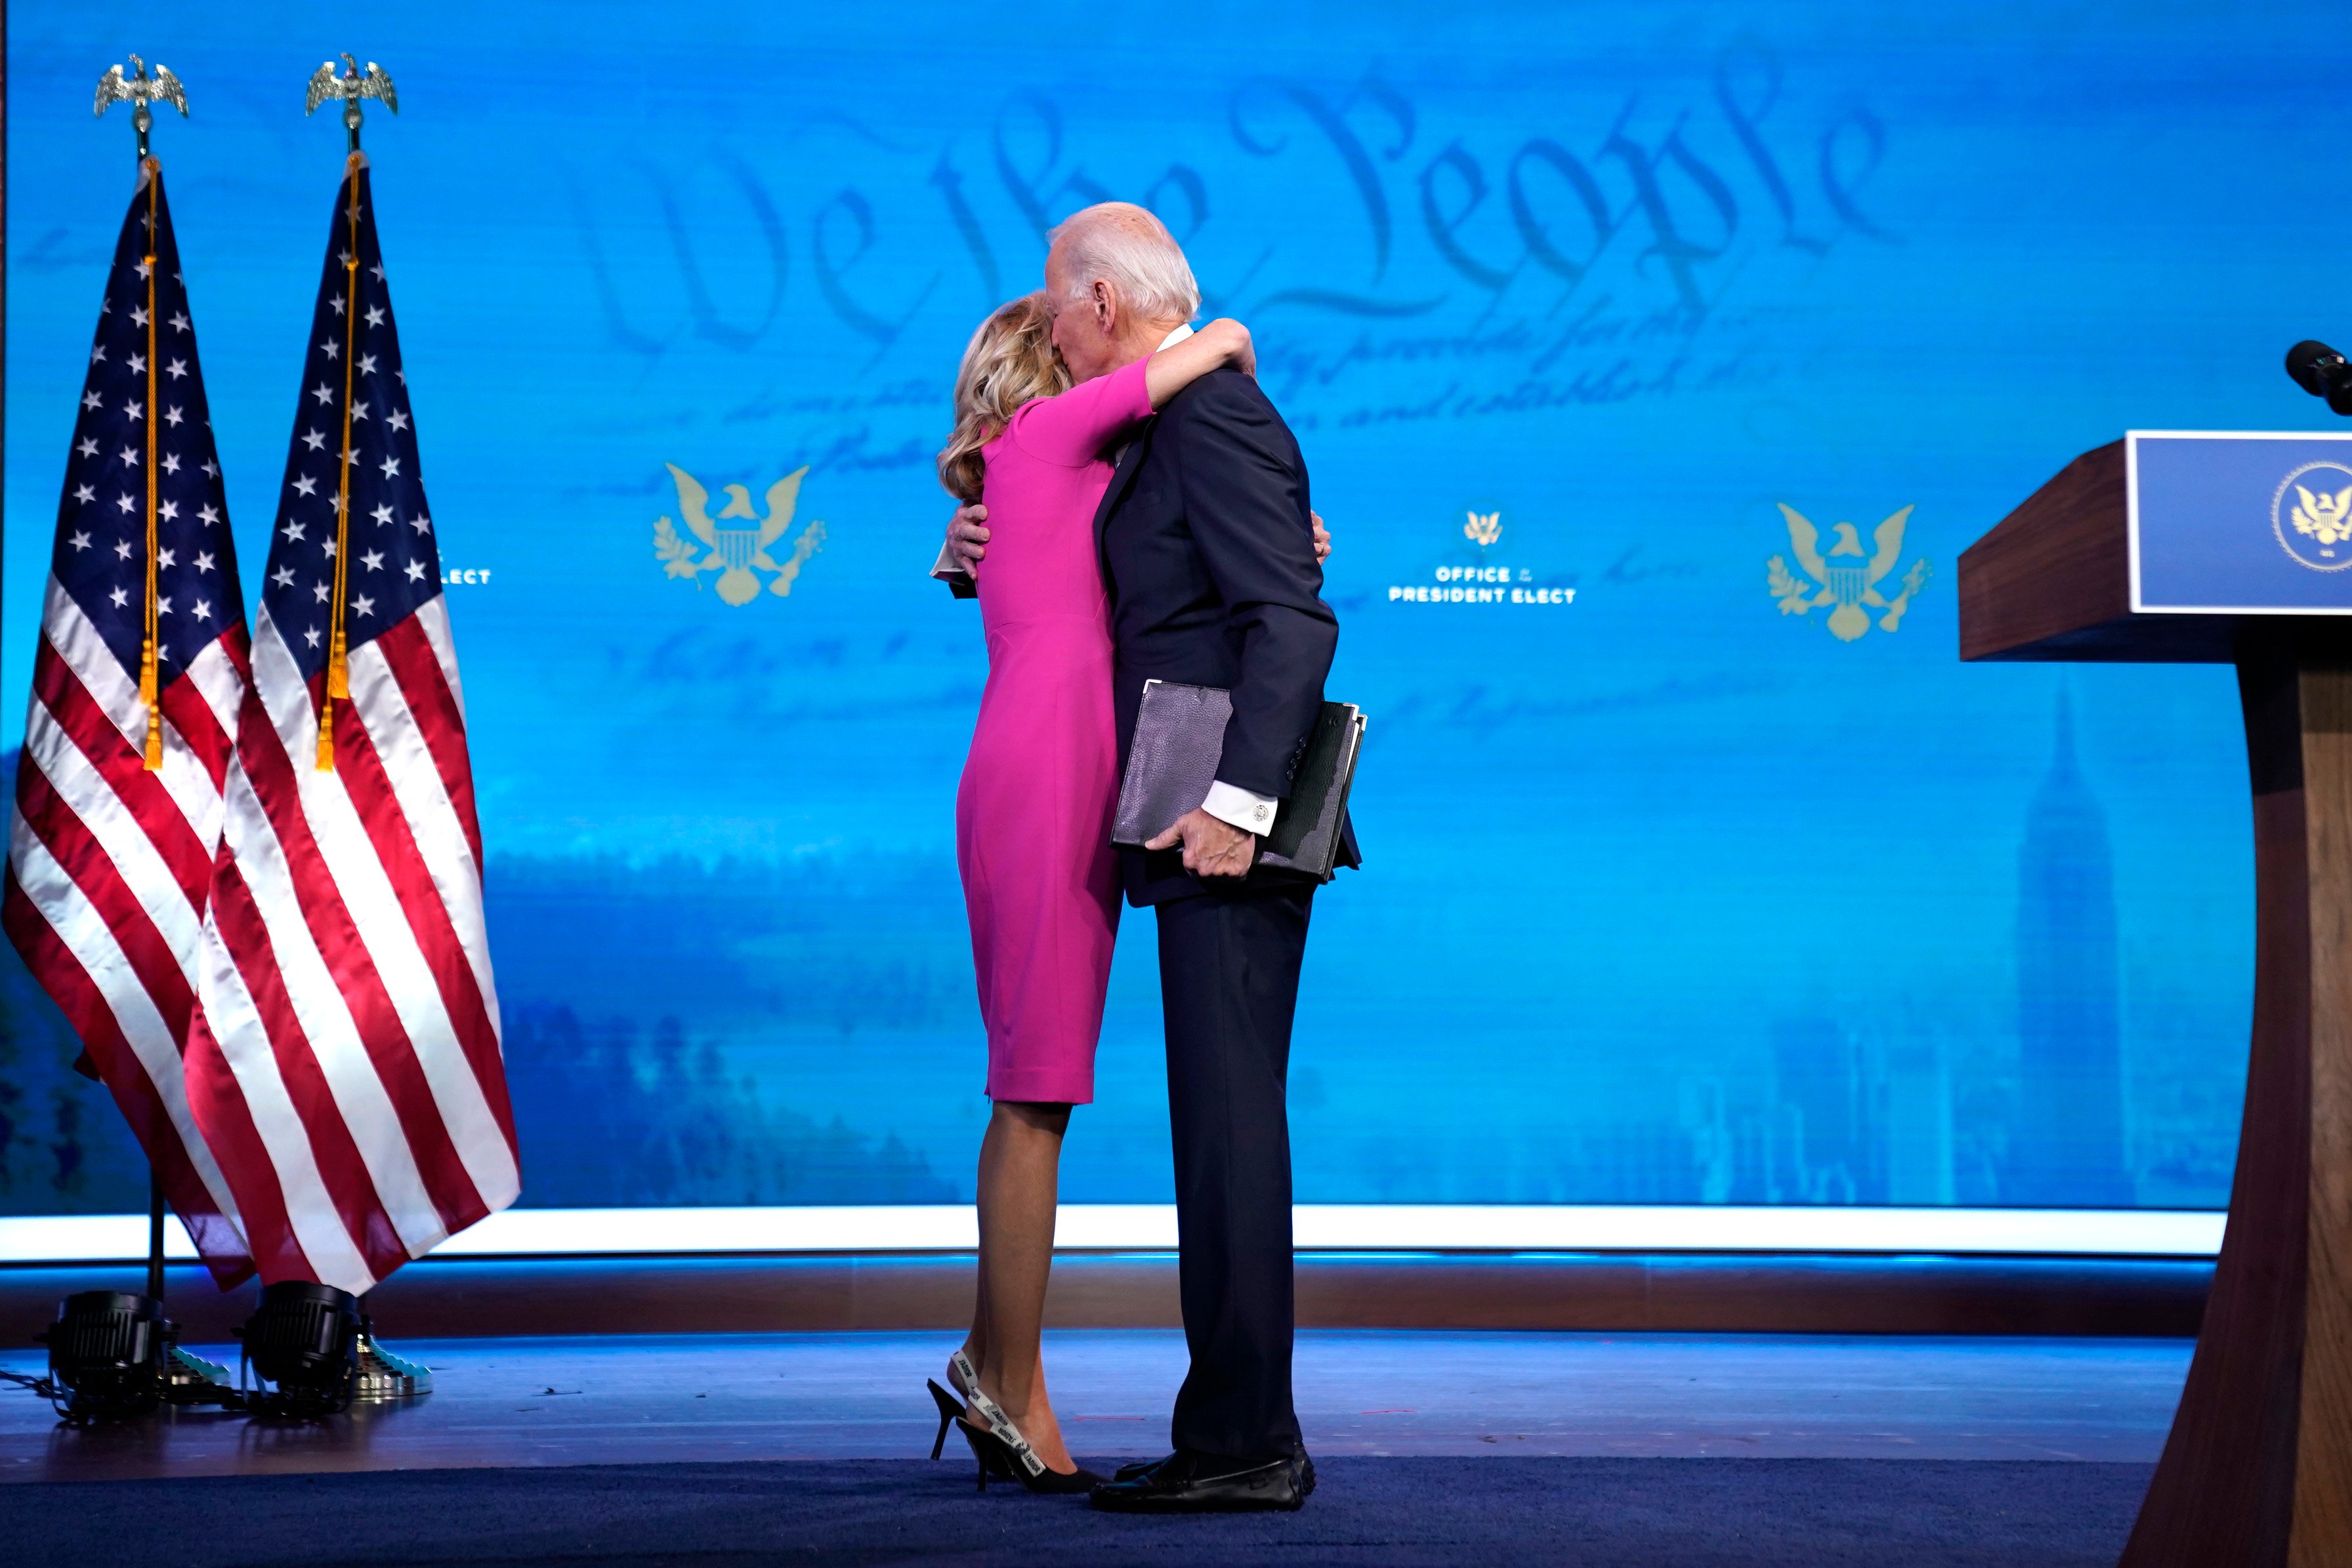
(1142, 1468)
(1188, 1482)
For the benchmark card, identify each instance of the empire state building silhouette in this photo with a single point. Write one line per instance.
(2068, 1151)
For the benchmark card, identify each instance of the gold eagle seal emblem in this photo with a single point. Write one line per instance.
(738, 554)
(1846, 575)
(2315, 529)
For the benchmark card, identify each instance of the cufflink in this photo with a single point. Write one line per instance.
(1261, 813)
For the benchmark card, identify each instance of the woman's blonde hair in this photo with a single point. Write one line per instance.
(1008, 361)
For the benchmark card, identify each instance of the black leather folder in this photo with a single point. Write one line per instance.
(1179, 738)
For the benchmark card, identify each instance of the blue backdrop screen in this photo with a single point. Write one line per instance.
(1679, 886)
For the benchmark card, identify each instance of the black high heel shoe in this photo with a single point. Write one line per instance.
(950, 1402)
(952, 1415)
(998, 1455)
(1001, 1451)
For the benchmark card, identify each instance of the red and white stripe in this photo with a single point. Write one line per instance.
(346, 1016)
(109, 871)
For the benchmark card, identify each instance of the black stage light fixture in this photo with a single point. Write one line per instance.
(114, 1355)
(107, 1351)
(2323, 373)
(304, 1339)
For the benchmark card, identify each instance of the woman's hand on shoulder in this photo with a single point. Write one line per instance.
(1233, 340)
(1222, 342)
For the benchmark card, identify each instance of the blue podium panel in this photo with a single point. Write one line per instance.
(2240, 523)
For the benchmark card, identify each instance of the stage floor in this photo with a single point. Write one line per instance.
(508, 1402)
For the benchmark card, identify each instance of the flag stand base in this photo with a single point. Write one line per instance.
(189, 1379)
(386, 1377)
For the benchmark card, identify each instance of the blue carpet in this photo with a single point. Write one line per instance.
(1481, 1511)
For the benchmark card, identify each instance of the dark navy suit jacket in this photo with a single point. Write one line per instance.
(1208, 549)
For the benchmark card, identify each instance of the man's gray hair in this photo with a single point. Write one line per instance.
(1131, 249)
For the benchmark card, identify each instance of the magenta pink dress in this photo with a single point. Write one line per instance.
(1033, 813)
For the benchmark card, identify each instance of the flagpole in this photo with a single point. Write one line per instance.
(338, 677)
(155, 1233)
(357, 84)
(140, 90)
(150, 687)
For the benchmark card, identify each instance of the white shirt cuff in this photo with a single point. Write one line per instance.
(1239, 808)
(949, 565)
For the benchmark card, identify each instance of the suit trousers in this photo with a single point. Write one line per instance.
(1229, 986)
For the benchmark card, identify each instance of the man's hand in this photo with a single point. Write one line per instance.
(1213, 847)
(1322, 540)
(966, 537)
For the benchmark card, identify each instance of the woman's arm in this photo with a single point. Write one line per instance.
(1073, 427)
(1222, 342)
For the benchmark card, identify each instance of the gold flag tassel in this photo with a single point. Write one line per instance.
(150, 687)
(338, 674)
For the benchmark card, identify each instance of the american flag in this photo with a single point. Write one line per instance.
(111, 858)
(347, 1015)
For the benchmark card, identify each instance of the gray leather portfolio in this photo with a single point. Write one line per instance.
(1180, 737)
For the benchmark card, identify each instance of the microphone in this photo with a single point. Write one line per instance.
(2323, 373)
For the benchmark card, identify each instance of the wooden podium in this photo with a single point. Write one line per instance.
(2211, 564)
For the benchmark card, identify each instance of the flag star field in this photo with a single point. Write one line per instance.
(394, 566)
(101, 550)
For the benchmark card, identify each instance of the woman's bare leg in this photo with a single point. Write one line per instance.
(1020, 1178)
(976, 1342)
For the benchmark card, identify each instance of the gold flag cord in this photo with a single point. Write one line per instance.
(150, 687)
(339, 679)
